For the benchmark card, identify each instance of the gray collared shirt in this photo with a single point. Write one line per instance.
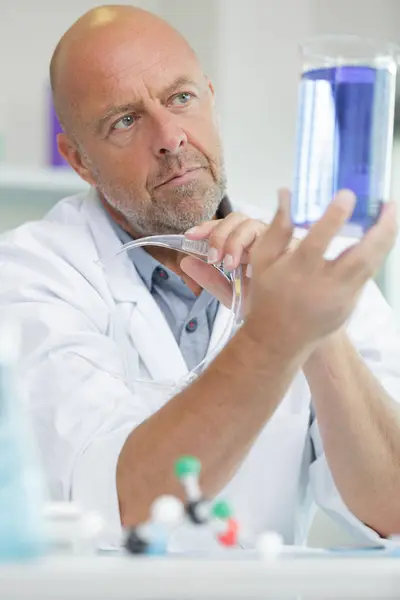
(190, 317)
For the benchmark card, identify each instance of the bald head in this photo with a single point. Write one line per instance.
(138, 115)
(78, 57)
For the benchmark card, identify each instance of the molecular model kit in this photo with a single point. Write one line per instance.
(168, 512)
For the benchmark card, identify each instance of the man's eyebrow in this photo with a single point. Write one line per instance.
(113, 111)
(119, 109)
(179, 82)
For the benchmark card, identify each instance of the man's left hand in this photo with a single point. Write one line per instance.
(230, 240)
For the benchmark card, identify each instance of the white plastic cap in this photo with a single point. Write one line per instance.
(269, 545)
(92, 525)
(62, 511)
(167, 510)
(71, 530)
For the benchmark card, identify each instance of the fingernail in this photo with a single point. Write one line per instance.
(346, 198)
(228, 262)
(192, 230)
(213, 255)
(249, 270)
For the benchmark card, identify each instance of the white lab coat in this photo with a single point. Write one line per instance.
(89, 333)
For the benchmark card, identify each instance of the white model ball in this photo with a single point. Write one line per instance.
(269, 545)
(167, 510)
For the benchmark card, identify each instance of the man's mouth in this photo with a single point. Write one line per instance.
(180, 177)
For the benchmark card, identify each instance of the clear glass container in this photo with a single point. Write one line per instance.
(344, 128)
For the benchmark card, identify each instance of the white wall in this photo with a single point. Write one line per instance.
(259, 71)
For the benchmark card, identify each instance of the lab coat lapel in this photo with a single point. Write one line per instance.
(149, 331)
(154, 340)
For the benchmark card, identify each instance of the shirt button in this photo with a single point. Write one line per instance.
(162, 273)
(191, 325)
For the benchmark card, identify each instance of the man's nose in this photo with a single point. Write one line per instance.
(169, 137)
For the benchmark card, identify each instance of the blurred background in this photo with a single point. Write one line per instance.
(250, 50)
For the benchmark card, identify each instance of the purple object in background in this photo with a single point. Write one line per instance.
(54, 157)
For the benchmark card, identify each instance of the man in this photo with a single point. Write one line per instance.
(100, 343)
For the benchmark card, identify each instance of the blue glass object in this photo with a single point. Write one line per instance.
(157, 536)
(344, 137)
(22, 493)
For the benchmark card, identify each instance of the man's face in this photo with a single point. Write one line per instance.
(148, 137)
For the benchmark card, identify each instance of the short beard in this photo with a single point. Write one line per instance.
(187, 206)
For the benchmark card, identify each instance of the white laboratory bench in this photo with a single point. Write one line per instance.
(123, 578)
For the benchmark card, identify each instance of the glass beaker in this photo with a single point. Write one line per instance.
(344, 128)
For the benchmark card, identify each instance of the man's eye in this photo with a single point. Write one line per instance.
(125, 122)
(182, 98)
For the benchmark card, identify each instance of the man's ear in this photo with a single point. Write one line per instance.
(68, 150)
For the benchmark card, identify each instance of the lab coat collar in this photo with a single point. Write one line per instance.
(122, 277)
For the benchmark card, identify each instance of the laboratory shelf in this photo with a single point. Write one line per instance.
(28, 193)
(37, 179)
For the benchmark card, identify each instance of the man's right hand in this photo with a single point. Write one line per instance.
(299, 297)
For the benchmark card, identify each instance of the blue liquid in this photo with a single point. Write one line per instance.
(344, 140)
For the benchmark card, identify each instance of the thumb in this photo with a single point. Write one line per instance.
(207, 277)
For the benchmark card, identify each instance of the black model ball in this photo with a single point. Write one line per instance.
(134, 543)
(198, 511)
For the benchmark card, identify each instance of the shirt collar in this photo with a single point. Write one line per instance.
(146, 265)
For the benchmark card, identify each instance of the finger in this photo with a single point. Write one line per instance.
(202, 231)
(220, 233)
(240, 241)
(360, 262)
(315, 244)
(208, 278)
(274, 242)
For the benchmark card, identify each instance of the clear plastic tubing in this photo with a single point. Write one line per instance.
(199, 249)
(344, 128)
